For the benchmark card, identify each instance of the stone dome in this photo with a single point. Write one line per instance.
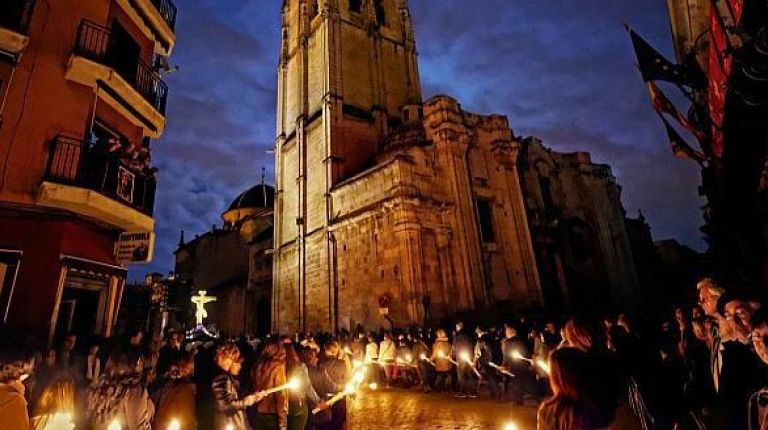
(261, 196)
(255, 201)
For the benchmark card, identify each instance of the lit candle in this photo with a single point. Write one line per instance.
(348, 389)
(543, 365)
(373, 386)
(115, 425)
(464, 356)
(515, 354)
(174, 425)
(510, 426)
(501, 369)
(292, 385)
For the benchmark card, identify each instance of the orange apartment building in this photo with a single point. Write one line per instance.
(80, 101)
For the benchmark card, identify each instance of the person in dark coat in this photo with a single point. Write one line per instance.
(463, 344)
(485, 351)
(338, 373)
(521, 382)
(323, 386)
(168, 353)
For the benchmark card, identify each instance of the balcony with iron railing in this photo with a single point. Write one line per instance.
(15, 17)
(86, 178)
(94, 42)
(167, 10)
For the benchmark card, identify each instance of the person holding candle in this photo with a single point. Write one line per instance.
(304, 397)
(523, 379)
(229, 408)
(441, 352)
(371, 358)
(270, 372)
(462, 345)
(120, 394)
(322, 384)
(485, 351)
(387, 354)
(175, 399)
(338, 373)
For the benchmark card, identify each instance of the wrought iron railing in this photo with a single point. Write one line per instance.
(94, 42)
(87, 165)
(16, 14)
(167, 10)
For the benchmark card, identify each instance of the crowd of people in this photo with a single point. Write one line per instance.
(704, 367)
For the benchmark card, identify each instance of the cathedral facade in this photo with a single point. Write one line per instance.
(385, 202)
(390, 209)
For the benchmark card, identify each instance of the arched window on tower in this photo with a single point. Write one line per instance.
(381, 16)
(355, 5)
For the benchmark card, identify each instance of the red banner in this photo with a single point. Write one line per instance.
(720, 63)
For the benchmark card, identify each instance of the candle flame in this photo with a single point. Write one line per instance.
(510, 426)
(294, 384)
(408, 358)
(464, 356)
(516, 355)
(349, 388)
(543, 365)
(441, 354)
(373, 386)
(174, 425)
(115, 425)
(423, 356)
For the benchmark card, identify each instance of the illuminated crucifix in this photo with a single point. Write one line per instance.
(200, 300)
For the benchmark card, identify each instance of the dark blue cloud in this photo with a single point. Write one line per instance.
(563, 71)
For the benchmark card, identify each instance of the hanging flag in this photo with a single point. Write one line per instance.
(655, 67)
(681, 148)
(662, 104)
(720, 63)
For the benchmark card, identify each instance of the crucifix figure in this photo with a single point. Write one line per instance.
(200, 300)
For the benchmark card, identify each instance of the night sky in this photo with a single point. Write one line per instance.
(560, 70)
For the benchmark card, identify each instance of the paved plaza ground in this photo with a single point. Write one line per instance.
(411, 409)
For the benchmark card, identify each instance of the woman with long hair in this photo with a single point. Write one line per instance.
(120, 395)
(270, 372)
(575, 404)
(580, 335)
(58, 397)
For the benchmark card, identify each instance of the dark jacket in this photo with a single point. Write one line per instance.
(485, 352)
(227, 405)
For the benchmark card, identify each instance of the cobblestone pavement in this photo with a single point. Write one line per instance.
(403, 409)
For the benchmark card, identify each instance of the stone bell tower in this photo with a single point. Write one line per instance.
(347, 69)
